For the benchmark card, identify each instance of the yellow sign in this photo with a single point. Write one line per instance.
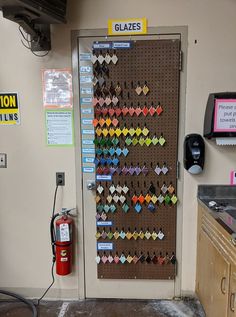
(127, 27)
(9, 109)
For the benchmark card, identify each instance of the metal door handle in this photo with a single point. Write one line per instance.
(222, 285)
(232, 300)
(91, 185)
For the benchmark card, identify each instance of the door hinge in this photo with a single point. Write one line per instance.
(177, 169)
(180, 60)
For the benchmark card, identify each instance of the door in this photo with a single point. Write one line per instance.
(129, 101)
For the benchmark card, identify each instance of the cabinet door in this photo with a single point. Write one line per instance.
(213, 282)
(232, 293)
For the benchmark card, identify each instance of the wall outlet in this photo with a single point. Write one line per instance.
(3, 160)
(60, 178)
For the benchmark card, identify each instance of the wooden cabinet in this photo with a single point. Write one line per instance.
(216, 269)
(232, 292)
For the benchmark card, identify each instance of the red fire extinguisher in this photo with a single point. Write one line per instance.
(62, 243)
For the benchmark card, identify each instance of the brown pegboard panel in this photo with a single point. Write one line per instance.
(157, 63)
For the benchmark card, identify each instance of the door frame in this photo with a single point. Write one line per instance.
(161, 33)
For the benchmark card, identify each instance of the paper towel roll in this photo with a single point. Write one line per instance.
(226, 141)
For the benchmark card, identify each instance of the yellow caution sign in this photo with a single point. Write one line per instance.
(9, 109)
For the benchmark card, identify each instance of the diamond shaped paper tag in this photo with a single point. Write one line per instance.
(125, 207)
(118, 132)
(115, 141)
(159, 110)
(174, 199)
(160, 199)
(118, 151)
(98, 235)
(122, 235)
(110, 235)
(148, 198)
(129, 235)
(110, 258)
(152, 111)
(115, 122)
(138, 90)
(125, 131)
(122, 199)
(94, 58)
(155, 140)
(145, 111)
(129, 259)
(128, 141)
(116, 259)
(131, 111)
(100, 189)
(108, 122)
(161, 235)
(103, 216)
(158, 170)
(112, 208)
(164, 188)
(154, 199)
(106, 208)
(101, 59)
(146, 131)
(112, 151)
(145, 89)
(141, 235)
(105, 132)
(148, 141)
(98, 216)
(125, 151)
(98, 131)
(122, 259)
(125, 189)
(119, 189)
(111, 132)
(134, 141)
(116, 235)
(138, 111)
(116, 198)
(114, 59)
(100, 208)
(162, 141)
(165, 170)
(171, 189)
(138, 208)
(107, 101)
(154, 235)
(167, 199)
(107, 58)
(135, 235)
(112, 189)
(138, 131)
(104, 259)
(98, 259)
(115, 161)
(141, 141)
(147, 235)
(132, 131)
(109, 199)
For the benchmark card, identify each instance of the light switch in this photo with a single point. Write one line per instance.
(3, 160)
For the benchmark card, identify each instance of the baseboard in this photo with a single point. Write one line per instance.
(188, 294)
(53, 294)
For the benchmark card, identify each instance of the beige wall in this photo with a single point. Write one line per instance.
(27, 185)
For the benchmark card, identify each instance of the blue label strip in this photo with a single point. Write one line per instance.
(88, 159)
(105, 246)
(88, 151)
(87, 110)
(88, 169)
(104, 178)
(104, 223)
(85, 57)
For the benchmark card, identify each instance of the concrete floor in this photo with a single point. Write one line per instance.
(108, 308)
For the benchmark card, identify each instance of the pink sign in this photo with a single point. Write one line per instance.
(225, 115)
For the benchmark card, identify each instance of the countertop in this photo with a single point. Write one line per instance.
(225, 197)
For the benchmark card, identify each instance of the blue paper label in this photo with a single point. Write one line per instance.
(87, 110)
(88, 159)
(104, 223)
(86, 101)
(122, 45)
(87, 121)
(102, 45)
(86, 90)
(85, 57)
(86, 79)
(104, 177)
(85, 131)
(88, 169)
(85, 69)
(105, 246)
(88, 151)
(87, 142)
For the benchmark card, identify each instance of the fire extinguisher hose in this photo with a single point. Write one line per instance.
(22, 299)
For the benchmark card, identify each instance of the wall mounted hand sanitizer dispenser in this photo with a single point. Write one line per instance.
(194, 153)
